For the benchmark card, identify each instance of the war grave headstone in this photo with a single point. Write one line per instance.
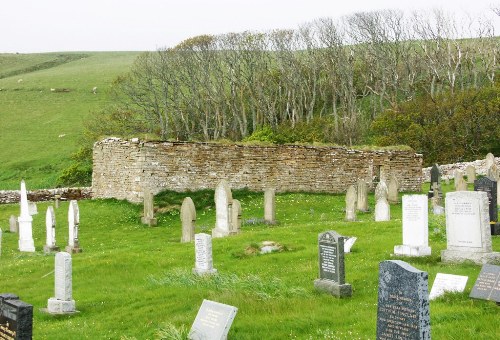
(270, 206)
(213, 321)
(50, 227)
(188, 218)
(25, 220)
(331, 265)
(148, 215)
(223, 206)
(487, 285)
(447, 283)
(489, 186)
(350, 204)
(348, 243)
(460, 183)
(470, 172)
(382, 207)
(16, 318)
(203, 255)
(415, 227)
(13, 224)
(403, 302)
(235, 218)
(362, 201)
(62, 302)
(393, 190)
(468, 232)
(73, 228)
(435, 178)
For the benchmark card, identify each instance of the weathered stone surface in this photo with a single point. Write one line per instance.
(460, 183)
(188, 218)
(148, 214)
(73, 228)
(223, 206)
(490, 160)
(362, 201)
(470, 172)
(270, 205)
(382, 210)
(213, 321)
(381, 190)
(350, 204)
(415, 227)
(393, 190)
(50, 230)
(203, 254)
(16, 318)
(62, 302)
(235, 217)
(13, 224)
(25, 220)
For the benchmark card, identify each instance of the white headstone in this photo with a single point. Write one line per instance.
(203, 254)
(63, 302)
(362, 202)
(350, 204)
(415, 227)
(235, 217)
(26, 242)
(223, 205)
(270, 206)
(50, 227)
(382, 210)
(213, 321)
(490, 160)
(73, 227)
(349, 242)
(447, 283)
(188, 217)
(13, 224)
(32, 208)
(381, 190)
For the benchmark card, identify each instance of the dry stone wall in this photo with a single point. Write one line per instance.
(123, 168)
(39, 195)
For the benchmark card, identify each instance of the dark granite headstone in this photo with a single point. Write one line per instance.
(16, 318)
(331, 265)
(487, 286)
(489, 186)
(435, 178)
(403, 302)
(212, 321)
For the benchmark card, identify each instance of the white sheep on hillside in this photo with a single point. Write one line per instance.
(94, 90)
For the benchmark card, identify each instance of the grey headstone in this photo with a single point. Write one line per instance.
(188, 218)
(270, 206)
(393, 190)
(50, 230)
(350, 203)
(415, 227)
(362, 202)
(470, 172)
(235, 217)
(435, 178)
(489, 160)
(489, 186)
(73, 228)
(447, 283)
(223, 206)
(16, 318)
(487, 286)
(13, 224)
(403, 302)
(148, 214)
(213, 321)
(203, 254)
(460, 183)
(62, 302)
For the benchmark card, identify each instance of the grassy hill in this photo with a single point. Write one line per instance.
(39, 127)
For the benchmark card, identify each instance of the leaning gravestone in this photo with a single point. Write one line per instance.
(447, 283)
(350, 204)
(331, 265)
(203, 255)
(489, 186)
(435, 178)
(25, 220)
(415, 227)
(403, 302)
(468, 231)
(470, 172)
(188, 218)
(16, 318)
(362, 202)
(62, 302)
(213, 321)
(149, 217)
(73, 228)
(235, 217)
(348, 243)
(270, 206)
(13, 224)
(223, 206)
(487, 286)
(50, 227)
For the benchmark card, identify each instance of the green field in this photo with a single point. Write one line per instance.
(40, 128)
(132, 281)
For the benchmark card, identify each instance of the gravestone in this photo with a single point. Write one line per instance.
(235, 218)
(223, 206)
(435, 178)
(203, 255)
(415, 227)
(393, 190)
(348, 243)
(56, 201)
(382, 210)
(350, 204)
(73, 227)
(468, 232)
(33, 210)
(16, 318)
(489, 160)
(403, 302)
(213, 321)
(1, 235)
(25, 220)
(487, 286)
(149, 214)
(270, 206)
(331, 265)
(436, 201)
(460, 183)
(13, 224)
(470, 172)
(362, 202)
(62, 302)
(447, 283)
(188, 218)
(381, 190)
(489, 186)
(493, 172)
(50, 227)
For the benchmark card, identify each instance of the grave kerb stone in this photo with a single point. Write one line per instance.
(415, 227)
(447, 283)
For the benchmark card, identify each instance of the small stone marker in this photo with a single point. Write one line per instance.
(73, 227)
(13, 224)
(62, 302)
(487, 286)
(447, 283)
(350, 204)
(56, 200)
(33, 210)
(470, 172)
(26, 242)
(489, 186)
(468, 231)
(382, 210)
(235, 218)
(392, 190)
(188, 218)
(460, 183)
(331, 265)
(50, 226)
(348, 243)
(16, 318)
(435, 179)
(149, 214)
(403, 302)
(213, 321)
(362, 202)
(415, 227)
(223, 206)
(270, 206)
(203, 255)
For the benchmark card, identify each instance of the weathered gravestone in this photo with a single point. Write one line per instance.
(213, 321)
(470, 172)
(489, 160)
(203, 255)
(381, 190)
(493, 172)
(235, 218)
(460, 183)
(447, 283)
(33, 209)
(392, 190)
(148, 214)
(223, 206)
(350, 204)
(16, 318)
(415, 227)
(468, 231)
(403, 302)
(436, 201)
(73, 228)
(62, 302)
(188, 218)
(489, 186)
(13, 224)
(50, 227)
(382, 210)
(270, 206)
(362, 202)
(25, 220)
(435, 179)
(487, 286)
(348, 243)
(1, 235)
(331, 265)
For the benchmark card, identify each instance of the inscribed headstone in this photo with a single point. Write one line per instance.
(62, 302)
(350, 204)
(447, 283)
(470, 172)
(13, 224)
(403, 302)
(203, 254)
(188, 218)
(270, 206)
(487, 286)
(213, 321)
(235, 217)
(362, 202)
(223, 206)
(489, 186)
(415, 227)
(149, 213)
(25, 220)
(50, 228)
(16, 318)
(73, 228)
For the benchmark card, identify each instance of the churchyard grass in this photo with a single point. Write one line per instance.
(135, 282)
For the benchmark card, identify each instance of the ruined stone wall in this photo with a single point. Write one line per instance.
(122, 168)
(40, 195)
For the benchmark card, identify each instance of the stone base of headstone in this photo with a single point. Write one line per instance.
(56, 306)
(27, 245)
(216, 232)
(458, 256)
(50, 249)
(204, 271)
(404, 250)
(495, 228)
(149, 221)
(73, 250)
(333, 288)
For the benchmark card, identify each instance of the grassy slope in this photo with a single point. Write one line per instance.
(32, 117)
(131, 279)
